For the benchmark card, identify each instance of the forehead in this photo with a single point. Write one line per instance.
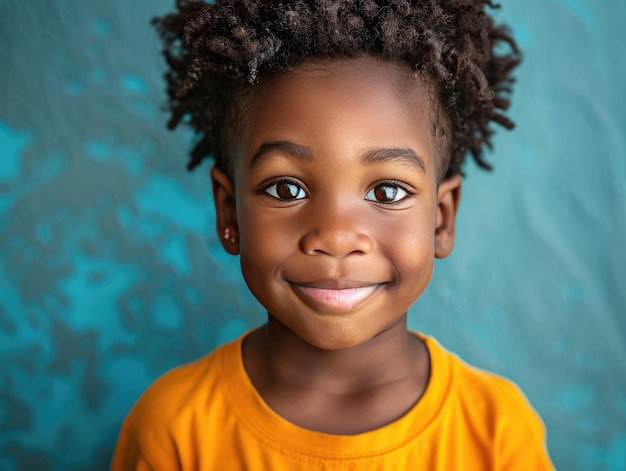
(363, 102)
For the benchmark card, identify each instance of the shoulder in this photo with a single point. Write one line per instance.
(165, 414)
(488, 392)
(177, 398)
(180, 389)
(185, 403)
(493, 397)
(495, 410)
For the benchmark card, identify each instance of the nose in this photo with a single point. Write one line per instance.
(337, 232)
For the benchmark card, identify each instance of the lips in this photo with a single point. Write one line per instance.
(335, 295)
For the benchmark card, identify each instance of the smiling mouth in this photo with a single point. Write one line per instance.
(334, 297)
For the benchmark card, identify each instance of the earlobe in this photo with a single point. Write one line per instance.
(448, 198)
(225, 210)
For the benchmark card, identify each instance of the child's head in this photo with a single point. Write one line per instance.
(231, 47)
(338, 129)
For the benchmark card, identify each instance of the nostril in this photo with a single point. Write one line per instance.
(336, 244)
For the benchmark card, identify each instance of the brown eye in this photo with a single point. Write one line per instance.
(286, 190)
(386, 193)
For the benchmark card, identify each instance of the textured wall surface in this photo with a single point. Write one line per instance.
(110, 271)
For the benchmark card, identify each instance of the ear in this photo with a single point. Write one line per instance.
(225, 210)
(448, 197)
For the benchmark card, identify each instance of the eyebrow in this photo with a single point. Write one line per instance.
(384, 155)
(288, 149)
(370, 157)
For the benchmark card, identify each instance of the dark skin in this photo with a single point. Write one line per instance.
(337, 212)
(339, 392)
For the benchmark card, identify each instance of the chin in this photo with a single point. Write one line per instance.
(334, 341)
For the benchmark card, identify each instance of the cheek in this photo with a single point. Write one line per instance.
(410, 246)
(258, 258)
(265, 240)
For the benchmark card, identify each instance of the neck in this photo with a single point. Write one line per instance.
(288, 360)
(341, 392)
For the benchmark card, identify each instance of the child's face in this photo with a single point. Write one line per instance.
(335, 204)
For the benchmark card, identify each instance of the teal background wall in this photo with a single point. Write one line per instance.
(110, 271)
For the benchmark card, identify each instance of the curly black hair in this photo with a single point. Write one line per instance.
(217, 52)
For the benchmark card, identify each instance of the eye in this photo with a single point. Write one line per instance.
(386, 193)
(285, 191)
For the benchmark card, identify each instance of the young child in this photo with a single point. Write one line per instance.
(338, 129)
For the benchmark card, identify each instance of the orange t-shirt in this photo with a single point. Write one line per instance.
(207, 416)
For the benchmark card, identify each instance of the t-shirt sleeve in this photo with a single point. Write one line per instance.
(146, 440)
(522, 439)
(128, 455)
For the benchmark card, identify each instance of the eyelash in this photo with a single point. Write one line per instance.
(395, 184)
(265, 190)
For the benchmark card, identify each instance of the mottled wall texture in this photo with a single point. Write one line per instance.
(111, 273)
